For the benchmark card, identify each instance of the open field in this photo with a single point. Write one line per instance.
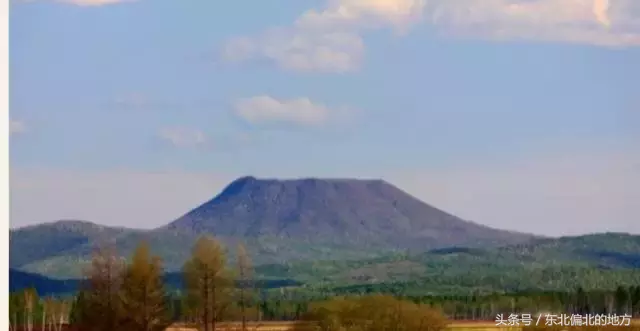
(286, 326)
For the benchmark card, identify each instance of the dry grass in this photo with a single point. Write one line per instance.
(237, 326)
(287, 326)
(479, 326)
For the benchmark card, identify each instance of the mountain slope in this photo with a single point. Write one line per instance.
(279, 220)
(361, 212)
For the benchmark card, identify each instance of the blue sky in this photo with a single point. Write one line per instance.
(515, 114)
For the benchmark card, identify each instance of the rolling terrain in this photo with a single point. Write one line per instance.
(593, 262)
(345, 235)
(280, 221)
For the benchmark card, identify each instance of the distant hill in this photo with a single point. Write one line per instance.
(279, 220)
(597, 261)
(43, 241)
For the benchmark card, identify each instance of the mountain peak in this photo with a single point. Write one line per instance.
(237, 185)
(244, 179)
(250, 179)
(246, 182)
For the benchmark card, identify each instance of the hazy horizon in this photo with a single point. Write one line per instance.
(519, 115)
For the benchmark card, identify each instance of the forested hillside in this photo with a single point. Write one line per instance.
(212, 290)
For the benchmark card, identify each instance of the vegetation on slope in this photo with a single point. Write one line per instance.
(48, 240)
(112, 286)
(594, 261)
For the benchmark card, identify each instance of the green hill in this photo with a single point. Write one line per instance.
(598, 261)
(592, 261)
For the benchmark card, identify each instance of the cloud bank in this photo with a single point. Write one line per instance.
(331, 39)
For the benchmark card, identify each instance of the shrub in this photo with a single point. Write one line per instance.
(373, 313)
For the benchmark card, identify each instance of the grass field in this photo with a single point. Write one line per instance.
(286, 326)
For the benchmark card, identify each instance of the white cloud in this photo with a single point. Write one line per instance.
(398, 14)
(268, 110)
(601, 12)
(329, 40)
(563, 193)
(183, 137)
(17, 127)
(300, 50)
(594, 22)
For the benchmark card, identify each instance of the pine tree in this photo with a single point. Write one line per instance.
(143, 298)
(207, 281)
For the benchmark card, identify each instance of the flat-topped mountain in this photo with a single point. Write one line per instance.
(335, 210)
(279, 220)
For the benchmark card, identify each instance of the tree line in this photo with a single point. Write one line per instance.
(116, 295)
(28, 310)
(119, 295)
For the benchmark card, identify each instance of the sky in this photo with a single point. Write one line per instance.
(517, 114)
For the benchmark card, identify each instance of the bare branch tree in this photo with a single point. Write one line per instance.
(245, 280)
(30, 299)
(101, 285)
